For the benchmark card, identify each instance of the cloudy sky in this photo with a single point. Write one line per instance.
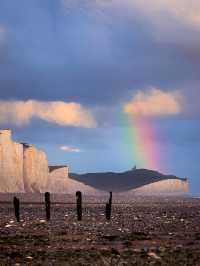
(104, 85)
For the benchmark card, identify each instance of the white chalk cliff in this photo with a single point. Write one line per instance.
(59, 182)
(23, 168)
(11, 164)
(35, 166)
(167, 186)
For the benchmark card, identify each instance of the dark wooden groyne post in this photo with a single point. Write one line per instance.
(47, 205)
(79, 205)
(109, 207)
(16, 207)
(110, 199)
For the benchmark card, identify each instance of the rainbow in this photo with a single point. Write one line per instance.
(141, 134)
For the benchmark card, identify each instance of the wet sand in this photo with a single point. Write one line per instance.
(144, 231)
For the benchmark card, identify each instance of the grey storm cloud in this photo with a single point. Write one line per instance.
(95, 52)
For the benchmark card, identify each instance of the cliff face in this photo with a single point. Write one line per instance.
(35, 169)
(23, 168)
(11, 164)
(59, 182)
(169, 186)
(58, 172)
(58, 179)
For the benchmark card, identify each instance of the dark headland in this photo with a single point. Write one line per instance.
(123, 181)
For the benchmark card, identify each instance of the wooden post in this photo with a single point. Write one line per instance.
(108, 212)
(109, 207)
(110, 199)
(16, 207)
(79, 205)
(47, 206)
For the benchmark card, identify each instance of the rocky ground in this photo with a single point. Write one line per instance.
(146, 231)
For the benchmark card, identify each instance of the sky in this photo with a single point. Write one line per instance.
(104, 85)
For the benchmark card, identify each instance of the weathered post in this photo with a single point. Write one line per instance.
(47, 206)
(110, 199)
(108, 211)
(109, 207)
(79, 205)
(16, 207)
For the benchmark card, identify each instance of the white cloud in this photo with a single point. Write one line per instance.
(70, 149)
(154, 103)
(64, 114)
